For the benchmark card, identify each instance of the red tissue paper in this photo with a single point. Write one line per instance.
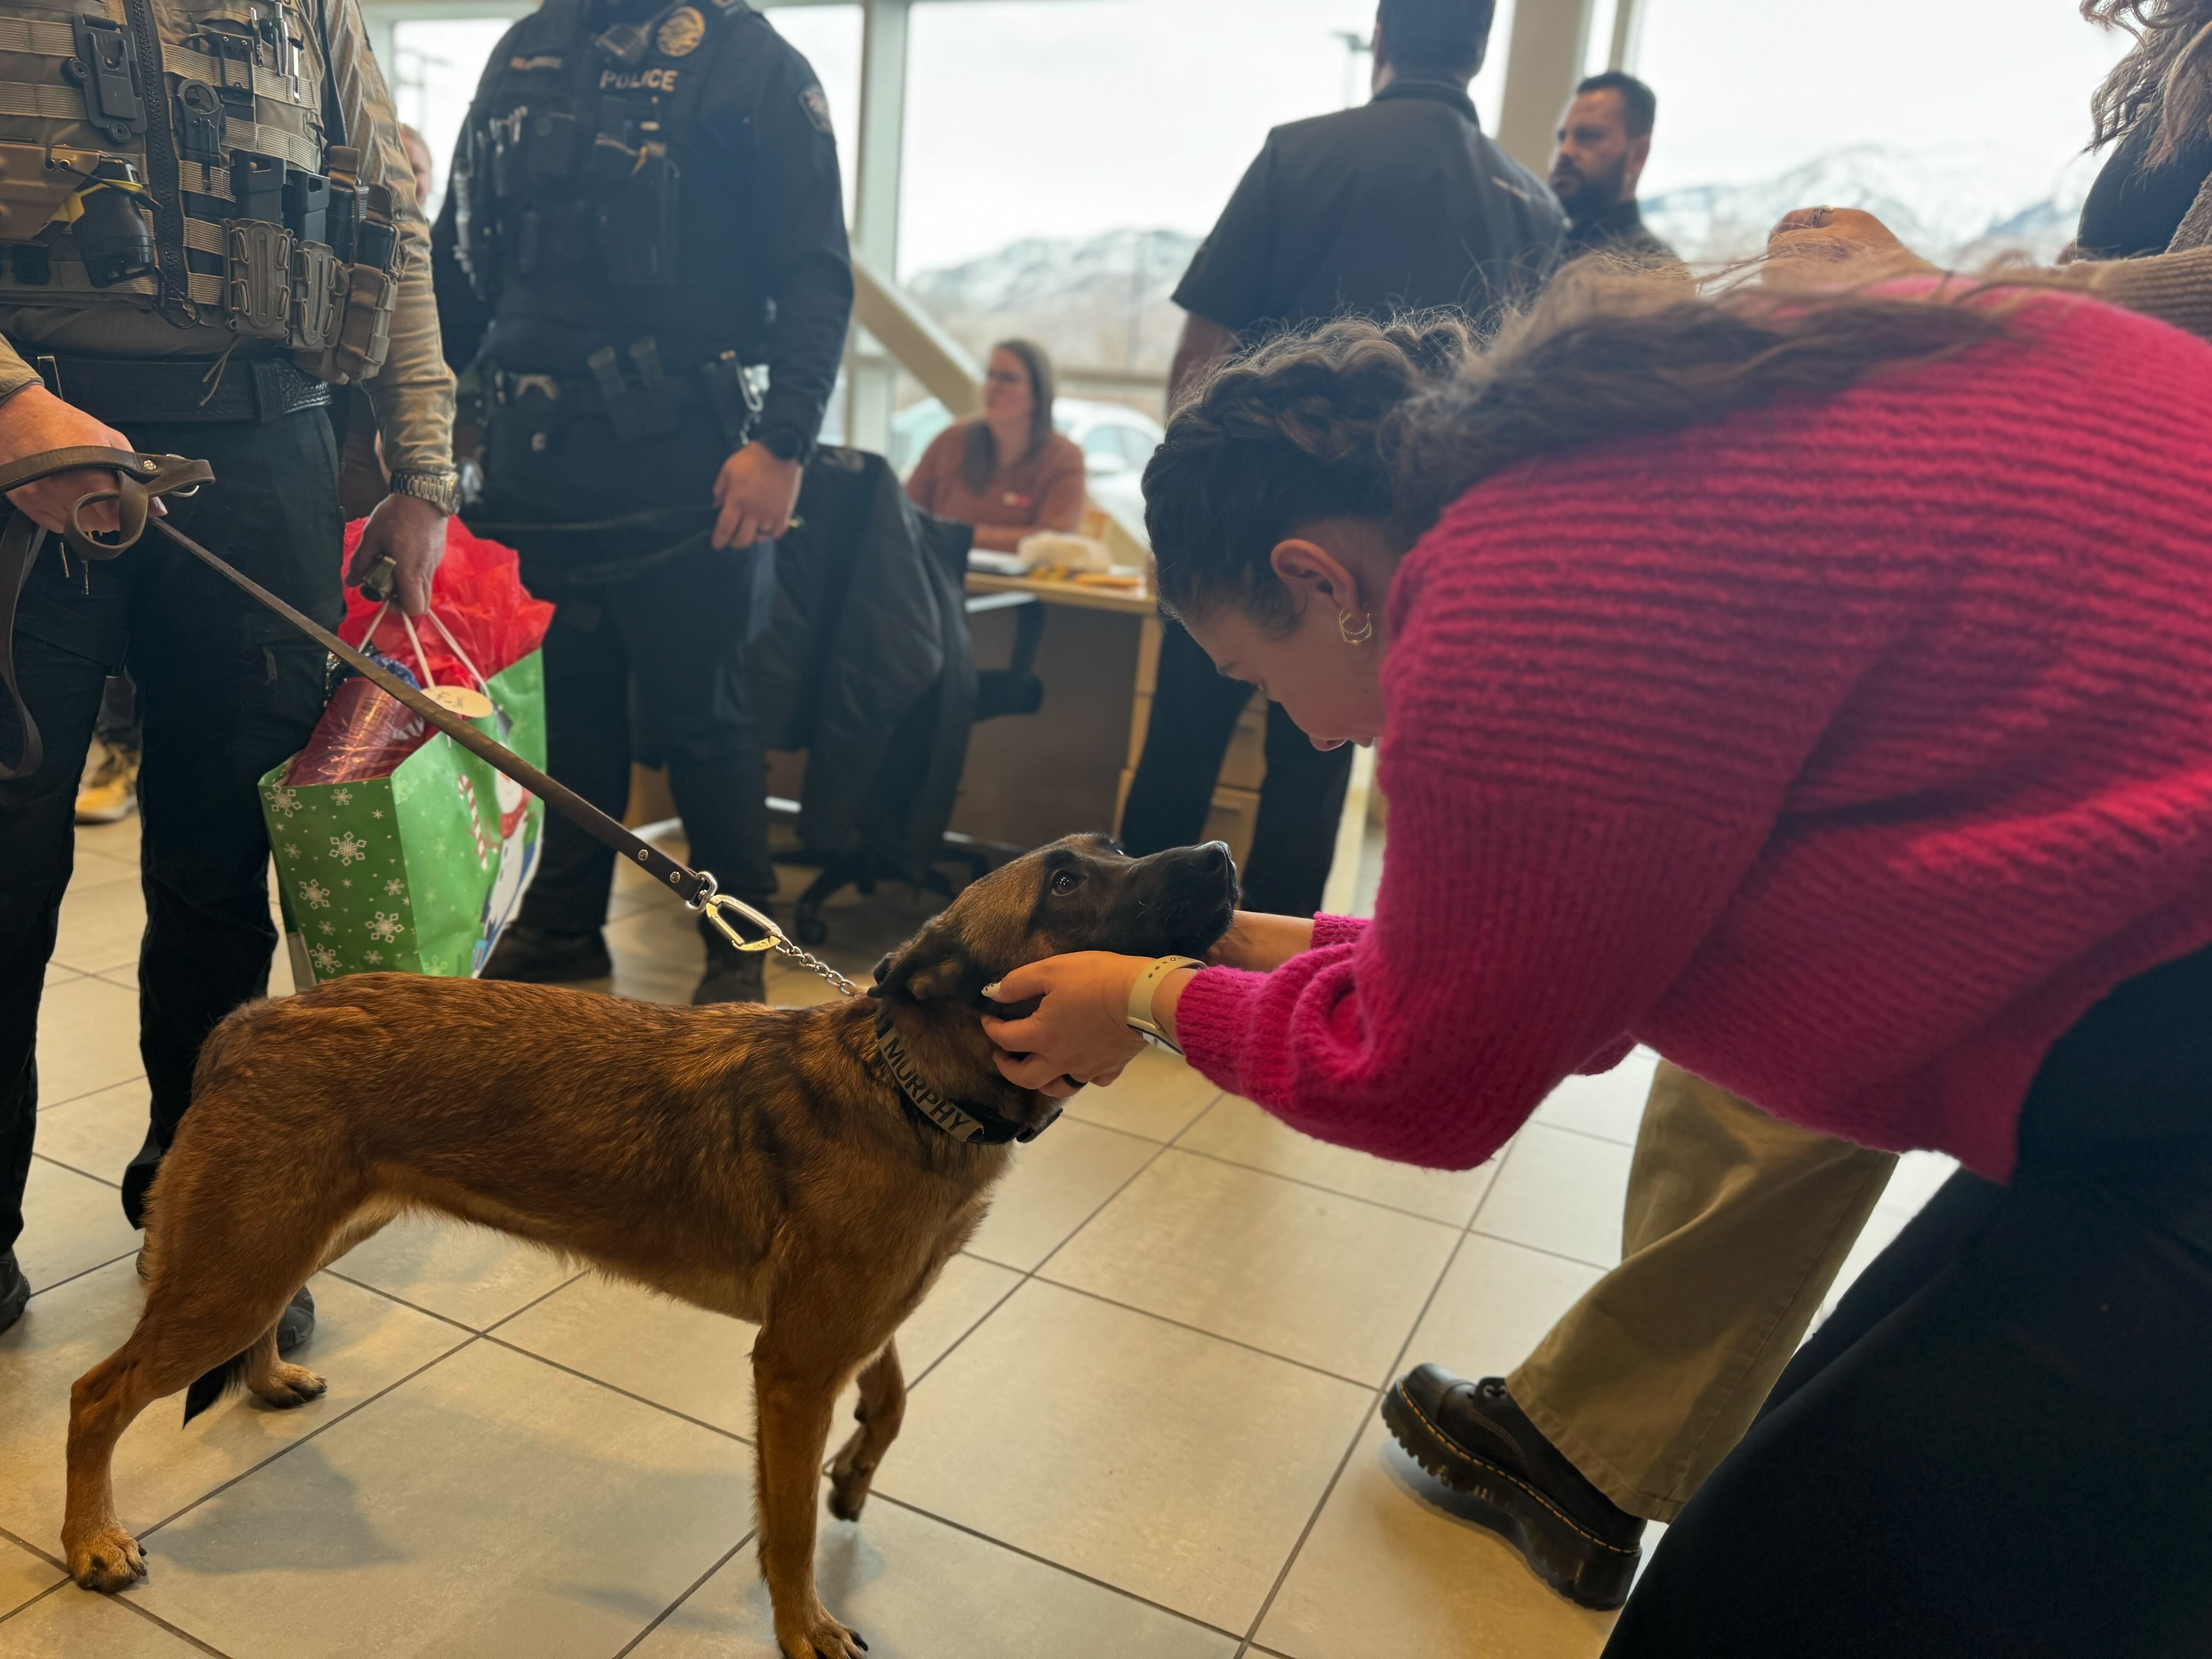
(478, 595)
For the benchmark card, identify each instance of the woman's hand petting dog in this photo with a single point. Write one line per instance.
(1260, 943)
(1079, 1031)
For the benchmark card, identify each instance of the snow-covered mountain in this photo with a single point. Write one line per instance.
(1960, 206)
(1101, 302)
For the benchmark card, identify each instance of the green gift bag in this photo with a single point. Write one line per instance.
(420, 871)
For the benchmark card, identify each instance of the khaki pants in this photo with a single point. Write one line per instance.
(1736, 1225)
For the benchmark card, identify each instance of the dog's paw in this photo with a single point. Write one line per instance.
(287, 1385)
(821, 1637)
(848, 1495)
(109, 1559)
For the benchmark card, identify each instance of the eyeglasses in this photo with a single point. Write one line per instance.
(1005, 376)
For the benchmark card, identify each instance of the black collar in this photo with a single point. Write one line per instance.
(1436, 91)
(973, 1125)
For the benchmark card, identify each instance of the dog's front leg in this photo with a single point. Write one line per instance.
(795, 1394)
(881, 1411)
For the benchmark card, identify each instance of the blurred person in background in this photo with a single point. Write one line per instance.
(109, 793)
(1006, 471)
(1403, 203)
(1604, 139)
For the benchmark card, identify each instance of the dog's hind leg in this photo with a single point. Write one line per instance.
(795, 1383)
(880, 1413)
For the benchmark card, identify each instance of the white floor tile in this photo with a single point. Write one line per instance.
(96, 1134)
(70, 1223)
(22, 1576)
(1157, 1097)
(700, 1364)
(1496, 1302)
(1169, 1464)
(362, 1343)
(1610, 1105)
(101, 922)
(87, 1039)
(471, 1274)
(1312, 1276)
(1241, 1133)
(1395, 1564)
(1557, 1190)
(1056, 1182)
(493, 1505)
(74, 1624)
(916, 1588)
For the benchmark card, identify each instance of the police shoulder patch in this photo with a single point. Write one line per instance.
(543, 60)
(817, 106)
(680, 32)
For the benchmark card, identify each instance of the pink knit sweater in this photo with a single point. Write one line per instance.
(1843, 752)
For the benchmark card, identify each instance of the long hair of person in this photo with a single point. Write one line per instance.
(2167, 76)
(1392, 421)
(979, 451)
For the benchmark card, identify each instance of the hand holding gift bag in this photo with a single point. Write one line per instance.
(396, 848)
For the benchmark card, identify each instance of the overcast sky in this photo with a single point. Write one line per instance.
(1064, 118)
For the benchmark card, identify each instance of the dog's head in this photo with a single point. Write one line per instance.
(1081, 893)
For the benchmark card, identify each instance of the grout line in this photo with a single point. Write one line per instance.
(1201, 1330)
(1570, 1129)
(660, 1406)
(1252, 1635)
(216, 1491)
(1490, 1192)
(697, 1584)
(1126, 1594)
(122, 1598)
(63, 1164)
(71, 1100)
(1557, 1255)
(1335, 1191)
(74, 1277)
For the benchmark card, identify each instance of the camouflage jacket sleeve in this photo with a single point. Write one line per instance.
(413, 392)
(14, 373)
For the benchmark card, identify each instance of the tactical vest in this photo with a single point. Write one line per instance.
(187, 159)
(579, 191)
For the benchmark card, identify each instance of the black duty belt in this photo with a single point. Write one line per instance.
(134, 391)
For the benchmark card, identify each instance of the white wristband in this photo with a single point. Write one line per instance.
(1141, 1018)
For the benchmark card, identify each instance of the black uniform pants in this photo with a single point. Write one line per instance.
(679, 630)
(1195, 712)
(1999, 1443)
(227, 691)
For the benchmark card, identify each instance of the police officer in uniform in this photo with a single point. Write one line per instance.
(206, 222)
(644, 258)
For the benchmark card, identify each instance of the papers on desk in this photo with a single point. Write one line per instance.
(1000, 564)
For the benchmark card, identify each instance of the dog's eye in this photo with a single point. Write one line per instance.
(1066, 882)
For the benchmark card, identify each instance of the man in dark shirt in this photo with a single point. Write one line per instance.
(1401, 203)
(1605, 138)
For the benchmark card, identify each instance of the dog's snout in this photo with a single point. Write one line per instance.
(1217, 856)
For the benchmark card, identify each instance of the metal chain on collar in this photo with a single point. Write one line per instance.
(772, 938)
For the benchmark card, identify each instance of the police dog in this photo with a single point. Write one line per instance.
(763, 1163)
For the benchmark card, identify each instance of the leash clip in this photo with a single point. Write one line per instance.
(714, 903)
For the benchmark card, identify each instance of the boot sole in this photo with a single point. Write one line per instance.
(1587, 1570)
(557, 973)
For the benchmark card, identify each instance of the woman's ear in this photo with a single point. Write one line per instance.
(1316, 575)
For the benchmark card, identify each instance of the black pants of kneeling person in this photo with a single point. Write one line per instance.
(228, 691)
(1195, 713)
(2001, 1442)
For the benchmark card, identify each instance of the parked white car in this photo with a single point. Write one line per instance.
(1115, 439)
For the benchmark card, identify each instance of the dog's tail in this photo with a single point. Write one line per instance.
(211, 1386)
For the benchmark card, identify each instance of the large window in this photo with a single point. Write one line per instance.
(1063, 157)
(1961, 124)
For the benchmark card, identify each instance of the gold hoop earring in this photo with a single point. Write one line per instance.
(1351, 636)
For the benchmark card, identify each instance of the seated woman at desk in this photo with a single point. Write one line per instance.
(1007, 472)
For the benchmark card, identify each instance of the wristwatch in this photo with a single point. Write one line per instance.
(786, 443)
(441, 489)
(1141, 999)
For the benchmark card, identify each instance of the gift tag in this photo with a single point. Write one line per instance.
(466, 701)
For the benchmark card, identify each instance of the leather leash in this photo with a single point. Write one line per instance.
(141, 480)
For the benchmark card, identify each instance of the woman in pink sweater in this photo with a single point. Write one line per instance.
(1820, 690)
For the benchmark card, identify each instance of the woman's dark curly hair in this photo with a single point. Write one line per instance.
(1393, 421)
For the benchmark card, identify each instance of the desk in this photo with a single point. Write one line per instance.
(1068, 767)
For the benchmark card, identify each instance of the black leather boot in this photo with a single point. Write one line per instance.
(15, 1290)
(297, 1322)
(538, 955)
(1474, 1439)
(732, 976)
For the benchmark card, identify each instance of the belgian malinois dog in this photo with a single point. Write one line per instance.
(782, 1165)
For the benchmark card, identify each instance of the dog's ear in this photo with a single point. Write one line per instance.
(929, 969)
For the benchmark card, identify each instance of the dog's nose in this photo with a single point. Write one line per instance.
(1218, 854)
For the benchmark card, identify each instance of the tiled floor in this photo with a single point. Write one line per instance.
(1143, 1420)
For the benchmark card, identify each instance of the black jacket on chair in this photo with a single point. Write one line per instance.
(866, 665)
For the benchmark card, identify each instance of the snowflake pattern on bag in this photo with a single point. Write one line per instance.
(285, 801)
(348, 849)
(384, 929)
(317, 896)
